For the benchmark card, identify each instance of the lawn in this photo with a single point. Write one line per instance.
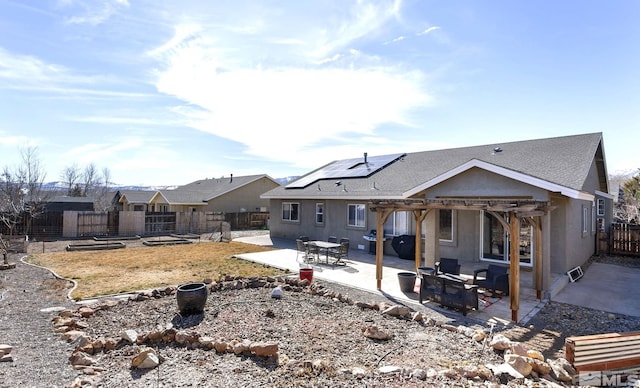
(140, 268)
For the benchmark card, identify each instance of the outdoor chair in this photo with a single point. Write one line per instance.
(313, 252)
(301, 249)
(304, 238)
(446, 265)
(332, 239)
(342, 253)
(496, 278)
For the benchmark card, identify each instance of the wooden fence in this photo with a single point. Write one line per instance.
(625, 239)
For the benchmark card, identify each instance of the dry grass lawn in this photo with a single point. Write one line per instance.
(140, 268)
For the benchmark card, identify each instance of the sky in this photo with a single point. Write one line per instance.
(169, 92)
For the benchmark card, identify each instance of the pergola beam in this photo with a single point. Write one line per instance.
(518, 209)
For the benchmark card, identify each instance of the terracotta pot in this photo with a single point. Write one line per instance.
(191, 298)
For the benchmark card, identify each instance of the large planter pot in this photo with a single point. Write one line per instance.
(191, 298)
(407, 281)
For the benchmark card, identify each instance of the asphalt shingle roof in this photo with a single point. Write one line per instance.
(563, 161)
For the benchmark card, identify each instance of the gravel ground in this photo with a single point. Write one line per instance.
(320, 338)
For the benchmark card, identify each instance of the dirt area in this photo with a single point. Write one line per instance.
(318, 331)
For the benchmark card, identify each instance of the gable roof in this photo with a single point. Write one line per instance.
(202, 191)
(559, 164)
(136, 196)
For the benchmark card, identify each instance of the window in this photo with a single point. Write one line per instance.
(290, 211)
(446, 225)
(397, 224)
(601, 224)
(593, 218)
(319, 213)
(355, 215)
(495, 241)
(601, 207)
(585, 220)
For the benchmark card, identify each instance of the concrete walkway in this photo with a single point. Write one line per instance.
(360, 272)
(605, 287)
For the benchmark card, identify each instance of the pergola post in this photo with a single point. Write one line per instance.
(381, 217)
(419, 216)
(537, 261)
(514, 265)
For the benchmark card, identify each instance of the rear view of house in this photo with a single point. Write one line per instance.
(463, 203)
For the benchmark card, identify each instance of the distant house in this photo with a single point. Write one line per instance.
(133, 200)
(462, 202)
(233, 194)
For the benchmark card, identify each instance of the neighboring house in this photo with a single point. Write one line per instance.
(133, 200)
(235, 194)
(223, 195)
(462, 202)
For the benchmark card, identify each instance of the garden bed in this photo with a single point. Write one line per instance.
(95, 247)
(175, 241)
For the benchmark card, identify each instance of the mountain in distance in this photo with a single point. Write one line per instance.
(61, 186)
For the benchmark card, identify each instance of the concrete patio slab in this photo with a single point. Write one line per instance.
(360, 272)
(605, 287)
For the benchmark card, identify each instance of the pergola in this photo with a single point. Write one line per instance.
(518, 210)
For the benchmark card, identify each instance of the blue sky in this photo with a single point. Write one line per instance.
(168, 92)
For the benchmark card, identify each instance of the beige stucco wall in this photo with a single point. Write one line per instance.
(477, 182)
(245, 198)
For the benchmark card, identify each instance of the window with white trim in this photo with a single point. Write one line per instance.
(446, 225)
(397, 224)
(290, 211)
(356, 215)
(601, 207)
(319, 213)
(585, 220)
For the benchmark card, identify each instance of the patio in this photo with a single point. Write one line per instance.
(360, 272)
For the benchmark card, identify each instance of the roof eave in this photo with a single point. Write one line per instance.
(518, 176)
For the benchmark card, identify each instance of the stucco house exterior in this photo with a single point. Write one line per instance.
(224, 195)
(133, 200)
(464, 203)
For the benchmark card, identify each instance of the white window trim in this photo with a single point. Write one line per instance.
(453, 227)
(320, 205)
(601, 207)
(290, 212)
(364, 220)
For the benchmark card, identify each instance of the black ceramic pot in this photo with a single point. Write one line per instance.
(191, 298)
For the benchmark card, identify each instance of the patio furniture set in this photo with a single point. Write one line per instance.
(333, 249)
(444, 285)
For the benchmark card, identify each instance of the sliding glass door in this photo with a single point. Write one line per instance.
(495, 241)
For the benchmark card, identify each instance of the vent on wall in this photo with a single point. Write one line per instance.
(575, 274)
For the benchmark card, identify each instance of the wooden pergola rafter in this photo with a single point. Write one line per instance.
(518, 210)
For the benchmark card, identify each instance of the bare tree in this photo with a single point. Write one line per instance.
(628, 207)
(102, 195)
(90, 179)
(21, 195)
(71, 177)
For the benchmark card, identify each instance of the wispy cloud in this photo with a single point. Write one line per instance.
(94, 12)
(428, 30)
(331, 98)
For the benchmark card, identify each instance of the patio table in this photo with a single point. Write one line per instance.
(326, 246)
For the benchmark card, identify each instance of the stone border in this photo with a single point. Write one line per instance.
(520, 363)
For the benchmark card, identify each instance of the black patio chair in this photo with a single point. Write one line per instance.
(446, 265)
(301, 249)
(496, 278)
(342, 253)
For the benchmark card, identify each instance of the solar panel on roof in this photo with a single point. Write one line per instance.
(347, 168)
